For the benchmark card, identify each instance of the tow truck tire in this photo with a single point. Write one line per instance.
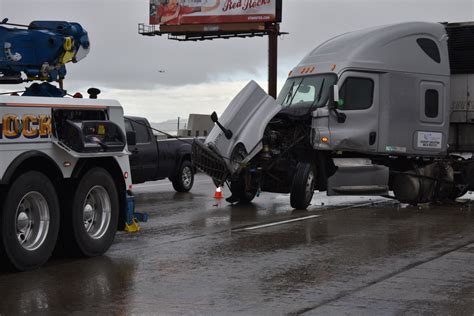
(302, 188)
(184, 180)
(95, 209)
(29, 222)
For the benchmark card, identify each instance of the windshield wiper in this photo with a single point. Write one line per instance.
(290, 93)
(296, 91)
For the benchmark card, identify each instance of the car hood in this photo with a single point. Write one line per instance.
(246, 117)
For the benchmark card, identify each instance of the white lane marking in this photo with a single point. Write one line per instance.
(276, 223)
(138, 186)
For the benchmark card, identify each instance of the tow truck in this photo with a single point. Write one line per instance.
(64, 167)
(383, 109)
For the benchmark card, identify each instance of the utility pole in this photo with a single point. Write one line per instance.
(274, 30)
(177, 132)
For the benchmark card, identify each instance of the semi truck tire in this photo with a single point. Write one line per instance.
(302, 188)
(237, 187)
(94, 213)
(29, 222)
(184, 179)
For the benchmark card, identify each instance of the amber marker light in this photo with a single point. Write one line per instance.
(333, 67)
(66, 164)
(324, 139)
(125, 174)
(290, 73)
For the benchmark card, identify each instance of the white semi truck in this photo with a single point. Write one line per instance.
(386, 108)
(64, 166)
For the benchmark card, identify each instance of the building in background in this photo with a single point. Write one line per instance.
(199, 125)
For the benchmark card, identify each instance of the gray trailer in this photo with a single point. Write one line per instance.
(367, 112)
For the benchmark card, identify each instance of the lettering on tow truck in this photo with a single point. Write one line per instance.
(29, 126)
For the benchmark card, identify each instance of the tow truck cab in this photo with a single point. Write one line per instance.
(64, 177)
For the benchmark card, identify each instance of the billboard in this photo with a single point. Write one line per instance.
(188, 12)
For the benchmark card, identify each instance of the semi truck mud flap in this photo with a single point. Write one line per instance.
(209, 162)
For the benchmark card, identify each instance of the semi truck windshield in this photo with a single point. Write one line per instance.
(305, 92)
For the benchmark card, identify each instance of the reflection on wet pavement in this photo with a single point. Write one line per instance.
(83, 285)
(359, 256)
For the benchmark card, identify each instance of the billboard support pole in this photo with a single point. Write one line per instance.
(273, 58)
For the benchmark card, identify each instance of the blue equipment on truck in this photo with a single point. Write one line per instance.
(40, 50)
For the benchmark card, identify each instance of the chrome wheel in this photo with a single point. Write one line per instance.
(32, 221)
(97, 212)
(184, 179)
(187, 176)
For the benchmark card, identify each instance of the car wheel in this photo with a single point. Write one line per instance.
(184, 180)
(302, 188)
(29, 221)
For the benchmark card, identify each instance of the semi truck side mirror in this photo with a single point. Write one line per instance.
(228, 133)
(214, 117)
(334, 101)
(131, 138)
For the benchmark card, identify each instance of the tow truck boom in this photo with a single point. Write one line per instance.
(40, 50)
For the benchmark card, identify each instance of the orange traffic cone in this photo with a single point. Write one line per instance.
(218, 193)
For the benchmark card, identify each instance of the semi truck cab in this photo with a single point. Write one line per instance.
(394, 85)
(367, 112)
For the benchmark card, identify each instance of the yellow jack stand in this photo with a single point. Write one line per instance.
(133, 227)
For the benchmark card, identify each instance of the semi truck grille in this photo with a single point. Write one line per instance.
(209, 162)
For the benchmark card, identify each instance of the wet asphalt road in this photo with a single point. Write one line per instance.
(197, 255)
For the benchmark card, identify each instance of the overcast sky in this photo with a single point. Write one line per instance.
(204, 76)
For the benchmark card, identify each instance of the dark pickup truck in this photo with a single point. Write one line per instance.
(155, 160)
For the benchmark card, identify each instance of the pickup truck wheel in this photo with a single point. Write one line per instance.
(29, 222)
(184, 180)
(94, 217)
(302, 189)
